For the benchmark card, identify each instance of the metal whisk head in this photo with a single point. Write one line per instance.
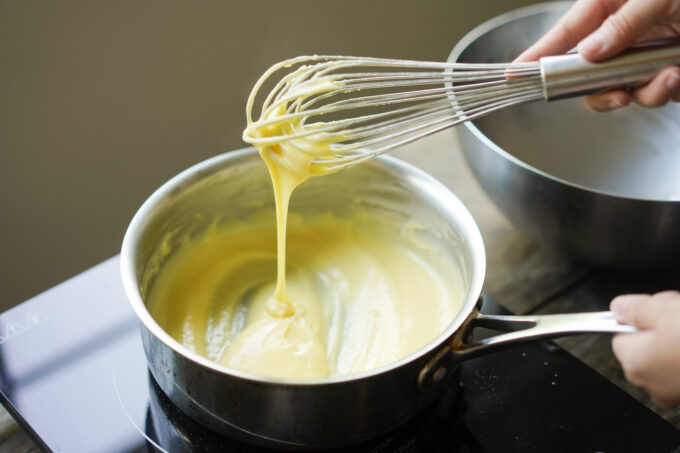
(344, 110)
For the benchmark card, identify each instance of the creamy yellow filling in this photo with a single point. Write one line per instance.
(363, 294)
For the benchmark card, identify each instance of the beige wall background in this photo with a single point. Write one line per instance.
(101, 102)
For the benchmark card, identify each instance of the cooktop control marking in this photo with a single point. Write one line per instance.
(13, 329)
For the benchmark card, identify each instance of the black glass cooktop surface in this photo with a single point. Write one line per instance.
(73, 374)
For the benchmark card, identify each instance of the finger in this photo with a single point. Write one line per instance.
(670, 294)
(640, 310)
(621, 29)
(632, 351)
(608, 100)
(619, 305)
(662, 88)
(581, 19)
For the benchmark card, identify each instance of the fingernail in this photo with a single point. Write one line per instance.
(592, 46)
(615, 103)
(609, 101)
(619, 306)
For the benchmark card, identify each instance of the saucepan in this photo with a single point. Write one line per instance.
(318, 413)
(603, 188)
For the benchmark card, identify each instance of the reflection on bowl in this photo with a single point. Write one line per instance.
(602, 187)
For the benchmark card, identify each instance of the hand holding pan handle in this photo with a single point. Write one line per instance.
(518, 329)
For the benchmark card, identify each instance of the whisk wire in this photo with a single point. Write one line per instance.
(362, 107)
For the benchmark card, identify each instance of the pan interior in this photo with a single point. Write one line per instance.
(409, 199)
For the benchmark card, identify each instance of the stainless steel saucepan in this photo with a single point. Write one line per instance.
(298, 414)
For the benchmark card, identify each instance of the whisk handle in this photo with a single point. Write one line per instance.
(571, 75)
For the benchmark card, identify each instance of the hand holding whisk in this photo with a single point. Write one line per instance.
(344, 110)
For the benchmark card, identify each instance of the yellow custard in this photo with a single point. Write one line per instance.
(364, 294)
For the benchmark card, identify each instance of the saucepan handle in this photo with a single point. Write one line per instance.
(518, 329)
(528, 328)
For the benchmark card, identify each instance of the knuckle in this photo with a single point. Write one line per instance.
(634, 374)
(567, 31)
(620, 26)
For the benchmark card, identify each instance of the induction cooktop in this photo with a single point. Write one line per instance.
(74, 376)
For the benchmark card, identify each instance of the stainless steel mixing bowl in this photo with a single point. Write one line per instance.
(604, 188)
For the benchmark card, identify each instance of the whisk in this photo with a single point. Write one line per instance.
(344, 110)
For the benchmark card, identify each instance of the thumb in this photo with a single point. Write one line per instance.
(639, 310)
(620, 30)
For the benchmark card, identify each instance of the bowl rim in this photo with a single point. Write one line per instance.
(417, 177)
(503, 19)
